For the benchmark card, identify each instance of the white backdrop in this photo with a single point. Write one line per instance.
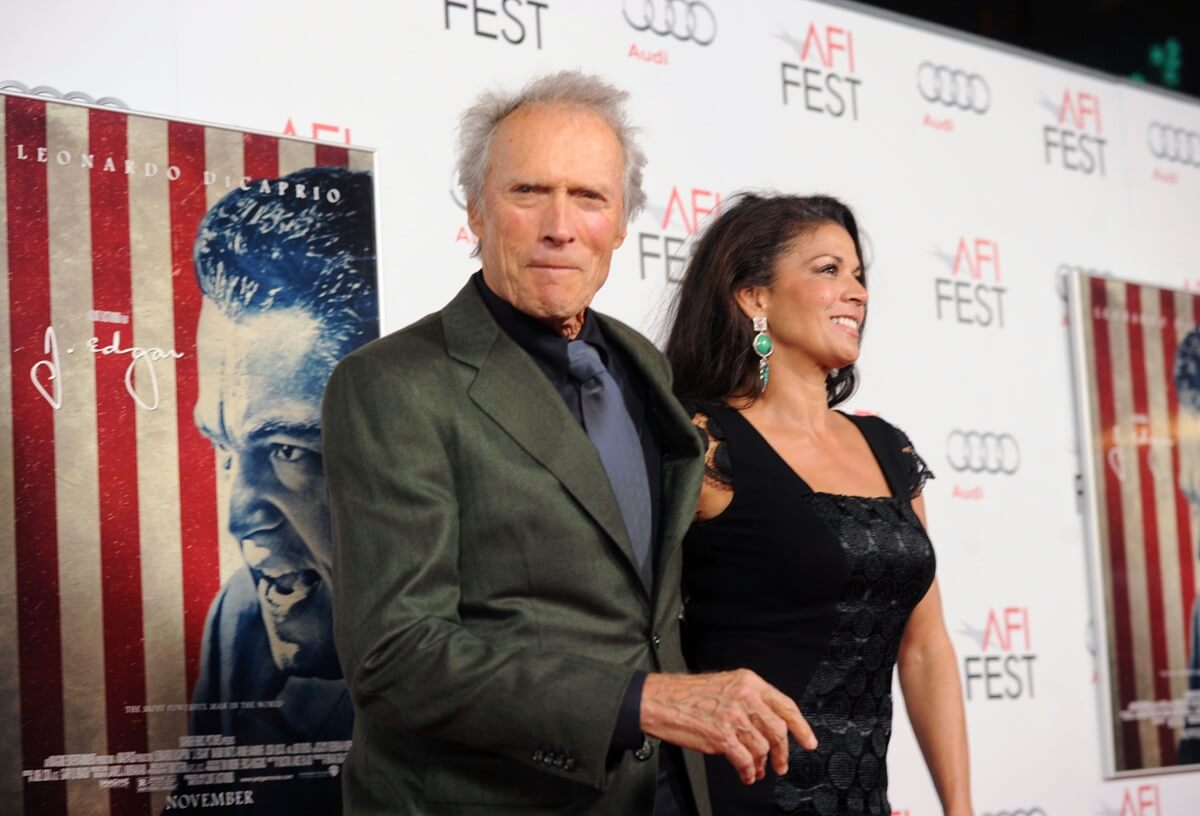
(926, 179)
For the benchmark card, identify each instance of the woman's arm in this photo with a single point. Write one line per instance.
(933, 696)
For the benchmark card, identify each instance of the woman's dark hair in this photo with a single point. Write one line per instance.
(709, 344)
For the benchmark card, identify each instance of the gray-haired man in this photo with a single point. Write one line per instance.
(510, 481)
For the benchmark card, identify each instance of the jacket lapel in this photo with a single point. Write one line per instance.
(513, 391)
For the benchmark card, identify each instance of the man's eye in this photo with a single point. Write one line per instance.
(287, 453)
(523, 188)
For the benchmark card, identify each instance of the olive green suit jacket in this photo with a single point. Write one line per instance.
(488, 610)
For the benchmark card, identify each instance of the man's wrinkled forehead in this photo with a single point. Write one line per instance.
(259, 370)
(579, 129)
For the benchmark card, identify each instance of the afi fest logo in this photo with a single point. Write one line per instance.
(972, 294)
(686, 209)
(670, 20)
(513, 21)
(1172, 147)
(320, 132)
(951, 91)
(1002, 669)
(1075, 141)
(1137, 800)
(459, 196)
(824, 80)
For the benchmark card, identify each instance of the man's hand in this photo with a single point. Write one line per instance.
(735, 713)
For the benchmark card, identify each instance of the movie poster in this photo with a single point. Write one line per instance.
(1137, 364)
(174, 297)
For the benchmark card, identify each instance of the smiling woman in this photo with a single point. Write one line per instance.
(808, 561)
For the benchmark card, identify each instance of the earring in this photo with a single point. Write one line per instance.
(833, 372)
(762, 347)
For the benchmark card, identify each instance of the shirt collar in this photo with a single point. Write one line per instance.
(539, 340)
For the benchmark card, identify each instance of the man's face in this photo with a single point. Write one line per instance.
(552, 210)
(1188, 440)
(261, 381)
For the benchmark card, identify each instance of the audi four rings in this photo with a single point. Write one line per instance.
(1173, 144)
(683, 20)
(954, 88)
(983, 452)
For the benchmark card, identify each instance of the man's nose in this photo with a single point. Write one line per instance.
(250, 510)
(556, 220)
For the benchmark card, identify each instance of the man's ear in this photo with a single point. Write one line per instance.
(474, 217)
(753, 300)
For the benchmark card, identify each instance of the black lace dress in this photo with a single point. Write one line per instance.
(812, 591)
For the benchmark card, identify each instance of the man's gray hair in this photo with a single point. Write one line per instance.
(478, 124)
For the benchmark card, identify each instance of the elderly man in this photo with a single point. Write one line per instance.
(289, 288)
(510, 480)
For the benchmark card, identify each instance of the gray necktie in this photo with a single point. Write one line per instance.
(609, 426)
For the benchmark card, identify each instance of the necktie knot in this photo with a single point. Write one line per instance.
(583, 361)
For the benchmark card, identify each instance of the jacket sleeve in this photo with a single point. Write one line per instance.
(409, 661)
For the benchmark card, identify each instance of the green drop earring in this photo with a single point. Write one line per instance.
(763, 348)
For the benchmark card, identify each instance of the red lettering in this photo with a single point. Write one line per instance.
(676, 199)
(1141, 801)
(975, 255)
(289, 129)
(1089, 105)
(964, 254)
(1080, 107)
(834, 39)
(813, 37)
(1003, 626)
(318, 128)
(699, 210)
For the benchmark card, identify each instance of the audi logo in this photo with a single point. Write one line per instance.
(1173, 144)
(683, 20)
(54, 93)
(983, 452)
(948, 86)
(1034, 811)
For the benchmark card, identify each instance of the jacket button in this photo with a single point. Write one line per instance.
(655, 641)
(645, 752)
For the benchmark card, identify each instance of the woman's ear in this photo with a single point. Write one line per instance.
(752, 300)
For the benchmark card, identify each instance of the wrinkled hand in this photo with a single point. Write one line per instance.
(735, 713)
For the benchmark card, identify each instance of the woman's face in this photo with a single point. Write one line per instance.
(816, 305)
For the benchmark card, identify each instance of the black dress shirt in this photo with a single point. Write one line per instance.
(549, 351)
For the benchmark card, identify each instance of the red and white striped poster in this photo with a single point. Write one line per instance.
(1137, 360)
(173, 297)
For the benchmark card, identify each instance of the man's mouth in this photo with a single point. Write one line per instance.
(284, 589)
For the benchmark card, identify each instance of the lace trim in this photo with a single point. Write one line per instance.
(918, 472)
(718, 465)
